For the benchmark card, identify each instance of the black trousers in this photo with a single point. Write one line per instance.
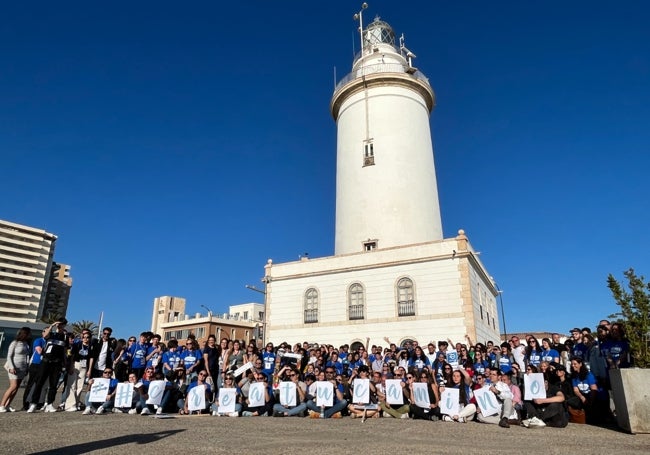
(34, 373)
(50, 372)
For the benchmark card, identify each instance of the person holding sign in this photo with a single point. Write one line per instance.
(395, 399)
(292, 395)
(547, 411)
(228, 402)
(462, 410)
(495, 407)
(101, 393)
(329, 401)
(424, 398)
(258, 402)
(203, 388)
(364, 394)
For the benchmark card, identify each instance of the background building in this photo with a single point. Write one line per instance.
(242, 322)
(32, 286)
(393, 274)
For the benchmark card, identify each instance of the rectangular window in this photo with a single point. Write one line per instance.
(245, 314)
(368, 153)
(481, 306)
(369, 246)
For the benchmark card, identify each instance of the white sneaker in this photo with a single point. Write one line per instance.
(234, 414)
(32, 407)
(100, 410)
(535, 422)
(3, 409)
(133, 411)
(117, 411)
(145, 412)
(87, 411)
(159, 411)
(526, 422)
(72, 409)
(404, 416)
(50, 408)
(446, 418)
(10, 409)
(215, 413)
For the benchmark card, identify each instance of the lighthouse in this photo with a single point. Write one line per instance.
(386, 191)
(392, 275)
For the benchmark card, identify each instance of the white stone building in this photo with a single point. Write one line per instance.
(393, 275)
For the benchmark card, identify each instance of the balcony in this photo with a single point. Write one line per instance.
(311, 316)
(406, 308)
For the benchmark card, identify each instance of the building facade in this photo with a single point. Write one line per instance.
(393, 275)
(243, 322)
(26, 255)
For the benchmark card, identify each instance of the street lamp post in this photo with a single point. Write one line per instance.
(503, 313)
(253, 288)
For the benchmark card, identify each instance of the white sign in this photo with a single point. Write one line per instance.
(394, 393)
(452, 359)
(324, 393)
(534, 386)
(287, 393)
(421, 395)
(227, 400)
(156, 390)
(449, 401)
(256, 395)
(487, 401)
(242, 368)
(124, 395)
(292, 355)
(99, 390)
(361, 391)
(196, 398)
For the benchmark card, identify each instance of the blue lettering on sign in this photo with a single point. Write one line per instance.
(421, 395)
(225, 400)
(285, 388)
(484, 399)
(448, 402)
(124, 395)
(256, 394)
(196, 397)
(535, 387)
(359, 390)
(324, 392)
(393, 391)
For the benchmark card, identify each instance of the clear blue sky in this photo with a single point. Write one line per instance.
(174, 148)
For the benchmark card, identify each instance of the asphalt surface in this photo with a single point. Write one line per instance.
(73, 433)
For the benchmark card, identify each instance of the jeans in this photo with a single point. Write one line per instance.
(296, 410)
(329, 412)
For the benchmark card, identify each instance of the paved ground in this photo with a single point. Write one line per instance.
(72, 433)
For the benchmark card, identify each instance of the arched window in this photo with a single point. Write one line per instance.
(311, 306)
(405, 298)
(355, 302)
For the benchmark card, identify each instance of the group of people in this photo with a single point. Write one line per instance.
(446, 381)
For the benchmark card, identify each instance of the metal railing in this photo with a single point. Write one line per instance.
(406, 308)
(380, 68)
(311, 316)
(355, 312)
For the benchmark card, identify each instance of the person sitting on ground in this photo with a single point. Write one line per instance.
(460, 380)
(300, 408)
(102, 406)
(547, 411)
(339, 402)
(432, 412)
(267, 407)
(200, 380)
(504, 396)
(363, 410)
(397, 411)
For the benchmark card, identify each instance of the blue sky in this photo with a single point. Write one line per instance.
(174, 148)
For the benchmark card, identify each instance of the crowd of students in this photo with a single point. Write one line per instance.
(320, 380)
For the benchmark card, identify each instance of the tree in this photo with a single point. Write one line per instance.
(635, 314)
(78, 326)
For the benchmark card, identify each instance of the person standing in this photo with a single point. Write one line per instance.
(34, 370)
(52, 363)
(79, 368)
(101, 354)
(17, 365)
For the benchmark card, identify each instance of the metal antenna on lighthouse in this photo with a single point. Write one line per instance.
(359, 16)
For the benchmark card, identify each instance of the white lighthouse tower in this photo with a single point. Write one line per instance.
(386, 191)
(392, 275)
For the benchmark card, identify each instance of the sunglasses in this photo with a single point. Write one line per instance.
(107, 372)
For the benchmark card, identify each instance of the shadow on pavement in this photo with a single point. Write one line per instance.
(88, 447)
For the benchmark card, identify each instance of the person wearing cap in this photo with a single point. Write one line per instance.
(54, 355)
